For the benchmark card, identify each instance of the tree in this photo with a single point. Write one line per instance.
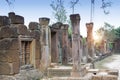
(9, 1)
(107, 32)
(117, 32)
(106, 5)
(59, 10)
(73, 4)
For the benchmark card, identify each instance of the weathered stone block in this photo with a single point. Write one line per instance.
(113, 72)
(94, 71)
(75, 18)
(33, 25)
(4, 20)
(8, 43)
(4, 68)
(37, 63)
(21, 29)
(110, 77)
(11, 15)
(9, 50)
(44, 21)
(16, 67)
(8, 32)
(16, 19)
(35, 34)
(96, 77)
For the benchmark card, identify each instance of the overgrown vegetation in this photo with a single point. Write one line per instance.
(107, 33)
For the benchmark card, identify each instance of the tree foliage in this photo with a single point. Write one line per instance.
(117, 32)
(73, 3)
(59, 10)
(9, 1)
(105, 5)
(107, 32)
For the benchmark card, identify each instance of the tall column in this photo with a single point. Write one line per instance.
(90, 41)
(65, 44)
(45, 44)
(75, 20)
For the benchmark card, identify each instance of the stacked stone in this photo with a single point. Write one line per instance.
(9, 47)
(75, 20)
(45, 42)
(17, 21)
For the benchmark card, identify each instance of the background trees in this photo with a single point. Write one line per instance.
(59, 11)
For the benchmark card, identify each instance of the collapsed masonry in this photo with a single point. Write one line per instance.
(21, 46)
(41, 44)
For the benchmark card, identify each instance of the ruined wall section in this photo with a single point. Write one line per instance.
(9, 47)
(19, 46)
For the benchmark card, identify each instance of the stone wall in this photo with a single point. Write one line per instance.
(19, 46)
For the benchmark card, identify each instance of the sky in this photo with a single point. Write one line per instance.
(32, 10)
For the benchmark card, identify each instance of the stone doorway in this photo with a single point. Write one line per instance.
(25, 45)
(54, 47)
(27, 50)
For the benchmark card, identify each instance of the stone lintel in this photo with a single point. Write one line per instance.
(25, 38)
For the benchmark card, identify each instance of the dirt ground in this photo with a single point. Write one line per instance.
(111, 62)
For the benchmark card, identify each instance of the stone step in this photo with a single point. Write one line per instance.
(86, 77)
(65, 71)
(59, 71)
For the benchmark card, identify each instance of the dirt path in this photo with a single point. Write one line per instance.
(111, 62)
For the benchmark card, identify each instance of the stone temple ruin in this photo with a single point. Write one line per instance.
(40, 45)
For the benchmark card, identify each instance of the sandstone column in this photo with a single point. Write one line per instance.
(45, 44)
(65, 44)
(75, 20)
(90, 42)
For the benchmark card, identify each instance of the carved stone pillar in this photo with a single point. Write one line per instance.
(65, 44)
(75, 20)
(90, 41)
(45, 43)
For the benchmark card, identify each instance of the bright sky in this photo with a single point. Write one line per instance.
(34, 9)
